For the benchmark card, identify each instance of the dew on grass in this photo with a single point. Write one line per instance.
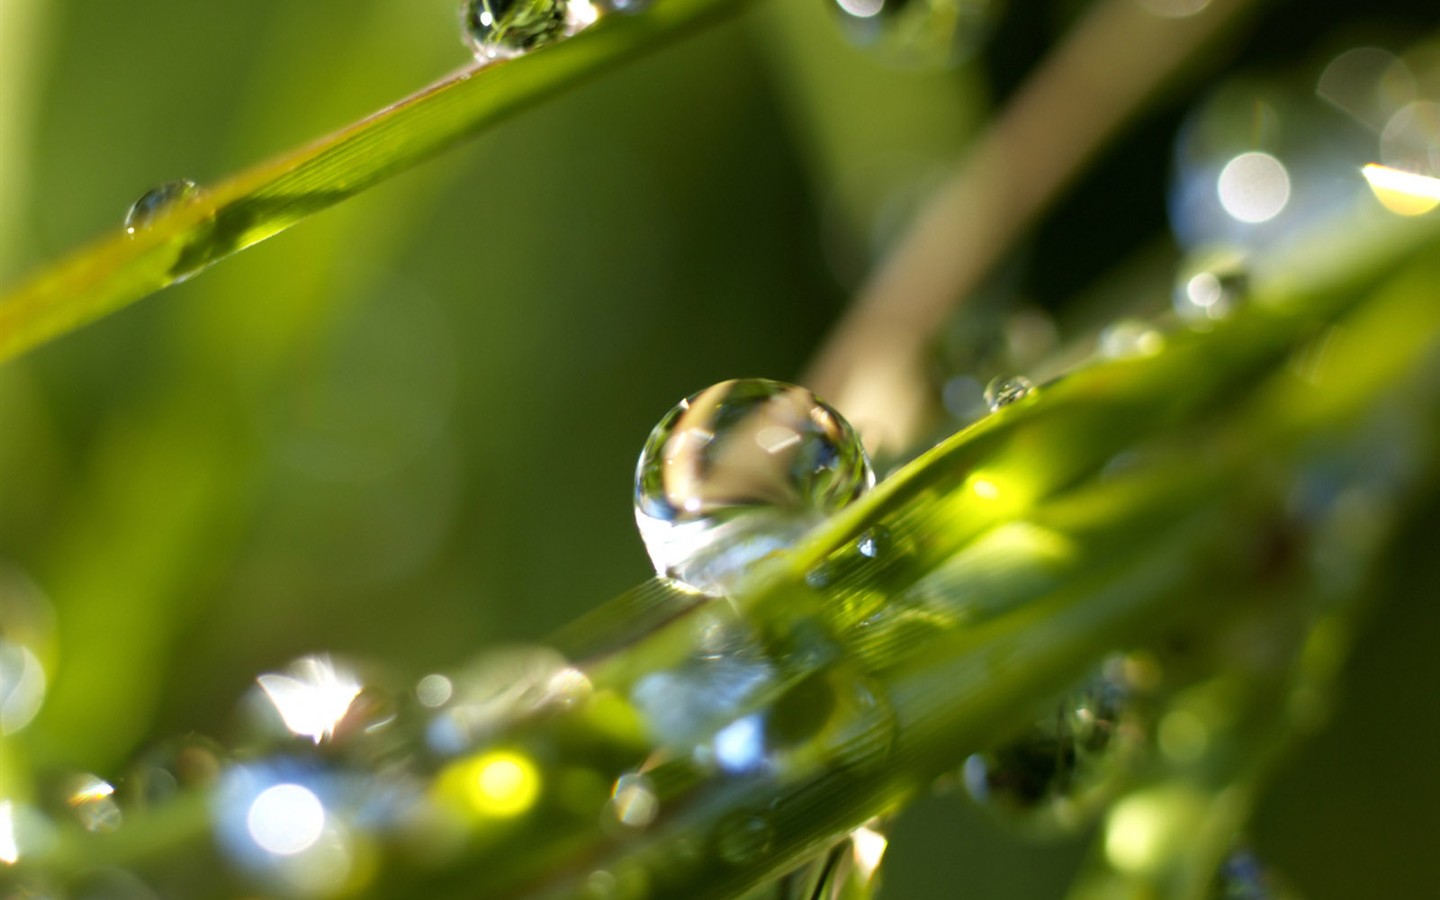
(1007, 389)
(158, 200)
(739, 471)
(1054, 775)
(502, 29)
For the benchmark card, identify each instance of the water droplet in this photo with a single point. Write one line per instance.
(182, 764)
(502, 686)
(741, 838)
(1210, 286)
(92, 801)
(1243, 876)
(686, 704)
(1007, 389)
(918, 33)
(1131, 339)
(873, 542)
(158, 200)
(739, 471)
(501, 29)
(633, 802)
(312, 697)
(1055, 775)
(850, 563)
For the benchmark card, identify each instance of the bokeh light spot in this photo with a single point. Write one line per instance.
(286, 819)
(1253, 187)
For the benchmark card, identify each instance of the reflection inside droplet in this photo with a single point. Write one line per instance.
(501, 29)
(1253, 187)
(286, 819)
(313, 698)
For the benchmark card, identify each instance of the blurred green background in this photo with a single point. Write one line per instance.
(407, 428)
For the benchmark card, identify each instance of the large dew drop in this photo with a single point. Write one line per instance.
(740, 471)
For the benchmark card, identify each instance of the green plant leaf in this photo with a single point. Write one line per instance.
(261, 202)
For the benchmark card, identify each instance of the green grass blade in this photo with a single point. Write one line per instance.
(256, 204)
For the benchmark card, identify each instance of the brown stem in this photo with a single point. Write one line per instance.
(1116, 59)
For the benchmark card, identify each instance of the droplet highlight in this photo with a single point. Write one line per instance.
(1007, 389)
(157, 201)
(739, 471)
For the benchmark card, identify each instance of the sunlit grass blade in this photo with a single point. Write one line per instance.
(263, 201)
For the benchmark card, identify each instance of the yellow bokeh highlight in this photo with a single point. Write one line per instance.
(499, 784)
(1001, 492)
(1403, 193)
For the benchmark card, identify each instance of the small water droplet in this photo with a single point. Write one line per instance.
(501, 687)
(633, 802)
(739, 471)
(873, 542)
(1243, 876)
(501, 29)
(918, 33)
(1055, 775)
(92, 801)
(1007, 389)
(1210, 286)
(170, 768)
(157, 200)
(1131, 339)
(743, 837)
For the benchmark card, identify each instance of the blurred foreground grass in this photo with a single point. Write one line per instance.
(406, 429)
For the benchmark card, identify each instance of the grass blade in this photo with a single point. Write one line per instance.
(256, 204)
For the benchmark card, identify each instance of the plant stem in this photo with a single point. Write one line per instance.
(1104, 73)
